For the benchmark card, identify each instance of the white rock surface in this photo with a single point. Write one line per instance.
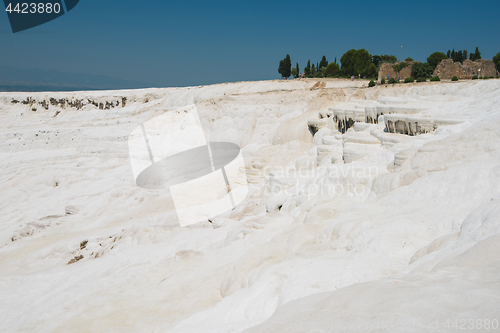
(389, 229)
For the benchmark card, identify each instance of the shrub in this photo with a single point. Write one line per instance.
(474, 77)
(435, 78)
(391, 80)
(492, 77)
(409, 80)
(383, 81)
(371, 84)
(454, 78)
(421, 79)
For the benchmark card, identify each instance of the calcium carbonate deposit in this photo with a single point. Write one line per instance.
(368, 210)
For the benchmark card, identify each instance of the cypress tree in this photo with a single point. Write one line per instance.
(323, 62)
(307, 70)
(281, 68)
(476, 55)
(288, 66)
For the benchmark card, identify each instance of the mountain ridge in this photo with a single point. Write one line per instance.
(35, 79)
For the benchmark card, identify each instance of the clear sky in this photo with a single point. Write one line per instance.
(179, 43)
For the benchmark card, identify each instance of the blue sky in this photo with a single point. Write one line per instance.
(180, 43)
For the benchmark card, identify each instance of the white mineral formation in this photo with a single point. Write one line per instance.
(368, 210)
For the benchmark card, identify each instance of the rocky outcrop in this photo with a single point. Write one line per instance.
(71, 103)
(448, 69)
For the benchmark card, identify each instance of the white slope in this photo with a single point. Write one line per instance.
(407, 232)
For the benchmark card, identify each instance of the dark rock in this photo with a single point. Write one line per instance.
(75, 259)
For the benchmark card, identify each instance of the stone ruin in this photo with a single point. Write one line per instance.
(445, 70)
(386, 70)
(448, 69)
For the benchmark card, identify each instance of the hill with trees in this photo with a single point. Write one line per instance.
(361, 63)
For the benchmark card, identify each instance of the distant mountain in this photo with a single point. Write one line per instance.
(17, 79)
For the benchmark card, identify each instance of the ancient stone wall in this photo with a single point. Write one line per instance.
(386, 70)
(482, 67)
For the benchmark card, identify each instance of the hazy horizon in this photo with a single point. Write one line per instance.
(190, 44)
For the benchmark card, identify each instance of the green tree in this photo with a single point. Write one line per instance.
(363, 61)
(435, 58)
(355, 62)
(298, 70)
(496, 60)
(281, 68)
(476, 55)
(421, 70)
(409, 59)
(323, 62)
(389, 58)
(295, 73)
(457, 56)
(376, 60)
(288, 66)
(313, 70)
(322, 71)
(307, 69)
(371, 71)
(332, 69)
(347, 61)
(285, 67)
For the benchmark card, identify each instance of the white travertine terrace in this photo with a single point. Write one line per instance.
(365, 225)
